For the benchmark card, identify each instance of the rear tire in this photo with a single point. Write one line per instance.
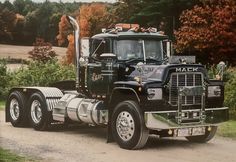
(40, 117)
(128, 127)
(203, 138)
(17, 110)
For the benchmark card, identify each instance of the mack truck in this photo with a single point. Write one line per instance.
(128, 84)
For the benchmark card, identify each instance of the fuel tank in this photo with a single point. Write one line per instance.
(80, 109)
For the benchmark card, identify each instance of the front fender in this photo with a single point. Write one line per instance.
(123, 91)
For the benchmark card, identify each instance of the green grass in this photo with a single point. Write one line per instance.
(228, 129)
(2, 105)
(7, 156)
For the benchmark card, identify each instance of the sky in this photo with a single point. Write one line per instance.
(111, 1)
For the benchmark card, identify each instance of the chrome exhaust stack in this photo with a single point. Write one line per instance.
(75, 26)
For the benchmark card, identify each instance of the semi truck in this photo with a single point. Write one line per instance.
(127, 83)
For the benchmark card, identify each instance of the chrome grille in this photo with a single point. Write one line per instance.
(184, 79)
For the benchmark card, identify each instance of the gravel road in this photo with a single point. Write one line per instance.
(88, 144)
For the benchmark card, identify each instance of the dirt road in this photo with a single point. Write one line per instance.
(88, 144)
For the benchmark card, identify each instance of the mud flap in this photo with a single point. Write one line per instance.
(109, 130)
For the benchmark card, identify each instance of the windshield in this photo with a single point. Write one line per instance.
(130, 49)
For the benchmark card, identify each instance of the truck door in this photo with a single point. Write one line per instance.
(99, 72)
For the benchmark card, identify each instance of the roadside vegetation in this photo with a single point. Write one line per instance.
(7, 156)
(228, 129)
(37, 73)
(43, 70)
(2, 105)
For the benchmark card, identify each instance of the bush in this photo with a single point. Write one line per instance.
(36, 73)
(230, 92)
(42, 74)
(4, 78)
(230, 88)
(42, 51)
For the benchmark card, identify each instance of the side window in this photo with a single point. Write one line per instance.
(99, 46)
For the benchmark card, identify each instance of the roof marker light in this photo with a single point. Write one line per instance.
(104, 30)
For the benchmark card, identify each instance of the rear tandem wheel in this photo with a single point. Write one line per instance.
(17, 109)
(40, 117)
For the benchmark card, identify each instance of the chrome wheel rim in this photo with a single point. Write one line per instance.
(14, 109)
(36, 111)
(125, 125)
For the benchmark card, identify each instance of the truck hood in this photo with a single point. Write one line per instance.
(160, 73)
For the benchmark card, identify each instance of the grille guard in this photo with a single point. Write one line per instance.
(191, 91)
(158, 120)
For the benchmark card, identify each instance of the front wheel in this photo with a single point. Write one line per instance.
(128, 127)
(203, 138)
(40, 117)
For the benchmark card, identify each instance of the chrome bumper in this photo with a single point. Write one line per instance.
(157, 120)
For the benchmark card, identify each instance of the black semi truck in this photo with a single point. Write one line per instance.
(128, 84)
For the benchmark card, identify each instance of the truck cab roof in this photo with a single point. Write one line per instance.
(130, 34)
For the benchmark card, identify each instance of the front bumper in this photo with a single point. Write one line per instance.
(158, 120)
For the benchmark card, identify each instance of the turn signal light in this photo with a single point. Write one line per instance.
(170, 132)
(209, 129)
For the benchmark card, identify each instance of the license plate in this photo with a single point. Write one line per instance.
(183, 132)
(198, 131)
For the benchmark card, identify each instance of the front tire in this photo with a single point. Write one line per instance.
(16, 109)
(40, 117)
(128, 127)
(203, 138)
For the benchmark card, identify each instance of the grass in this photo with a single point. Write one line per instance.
(228, 129)
(2, 105)
(7, 156)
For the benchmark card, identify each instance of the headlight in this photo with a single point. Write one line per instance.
(154, 93)
(214, 91)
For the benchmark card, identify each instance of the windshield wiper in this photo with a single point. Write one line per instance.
(163, 61)
(153, 59)
(134, 59)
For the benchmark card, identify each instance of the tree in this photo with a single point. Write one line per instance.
(42, 51)
(40, 20)
(65, 36)
(209, 31)
(64, 31)
(20, 6)
(70, 53)
(123, 10)
(162, 14)
(91, 18)
(7, 24)
(7, 4)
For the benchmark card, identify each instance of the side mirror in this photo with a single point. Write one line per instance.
(220, 70)
(85, 47)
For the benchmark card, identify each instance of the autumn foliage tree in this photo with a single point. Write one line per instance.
(65, 35)
(91, 18)
(70, 53)
(42, 51)
(64, 30)
(209, 31)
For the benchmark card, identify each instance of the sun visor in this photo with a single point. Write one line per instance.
(182, 59)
